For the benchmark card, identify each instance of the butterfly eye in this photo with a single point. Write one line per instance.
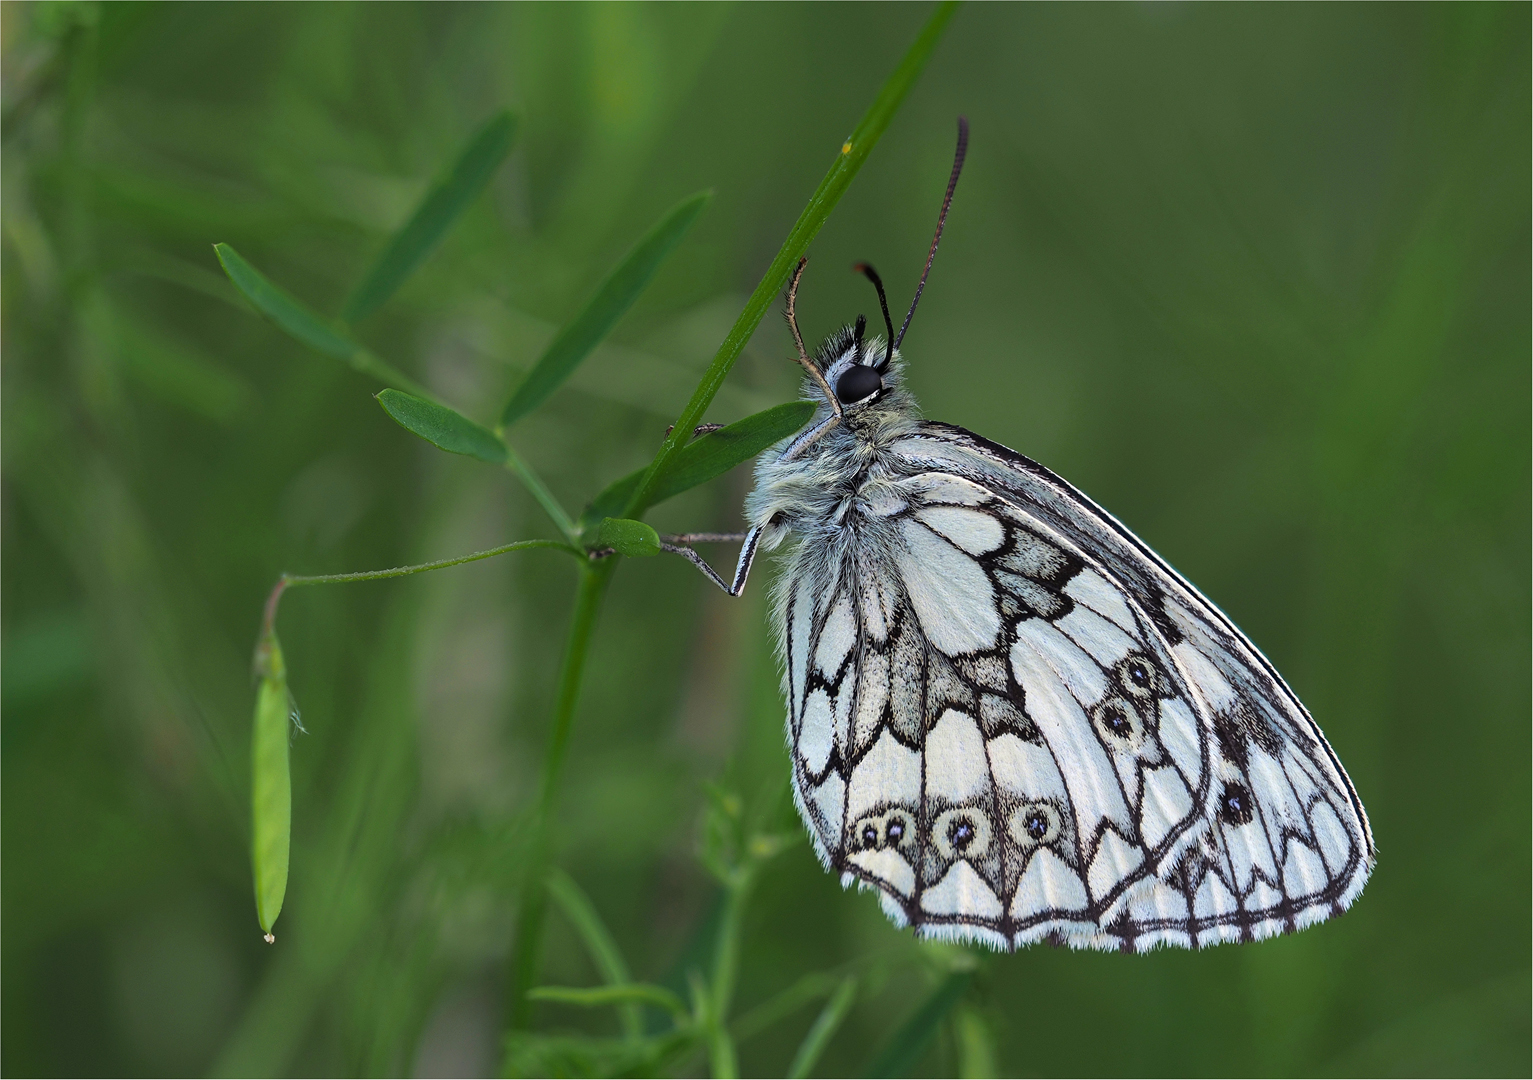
(857, 382)
(1235, 805)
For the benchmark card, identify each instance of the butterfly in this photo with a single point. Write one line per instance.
(1007, 715)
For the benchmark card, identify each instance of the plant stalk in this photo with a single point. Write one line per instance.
(526, 950)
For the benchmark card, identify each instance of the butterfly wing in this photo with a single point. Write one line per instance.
(1017, 723)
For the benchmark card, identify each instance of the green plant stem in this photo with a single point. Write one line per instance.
(287, 581)
(532, 911)
(534, 483)
(853, 153)
(726, 967)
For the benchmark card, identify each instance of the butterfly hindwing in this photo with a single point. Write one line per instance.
(1018, 723)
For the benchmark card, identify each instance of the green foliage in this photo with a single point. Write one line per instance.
(437, 213)
(601, 313)
(628, 537)
(1255, 278)
(442, 427)
(706, 457)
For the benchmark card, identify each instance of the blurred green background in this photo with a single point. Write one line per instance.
(1254, 277)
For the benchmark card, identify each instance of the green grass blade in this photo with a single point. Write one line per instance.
(612, 300)
(271, 790)
(704, 458)
(905, 1047)
(598, 941)
(308, 327)
(823, 1029)
(444, 203)
(595, 997)
(853, 153)
(442, 427)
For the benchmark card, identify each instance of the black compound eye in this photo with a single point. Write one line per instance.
(856, 383)
(1235, 805)
(960, 833)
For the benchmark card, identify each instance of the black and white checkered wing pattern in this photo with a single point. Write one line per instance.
(986, 728)
(1017, 723)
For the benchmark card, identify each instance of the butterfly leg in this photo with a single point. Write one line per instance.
(679, 545)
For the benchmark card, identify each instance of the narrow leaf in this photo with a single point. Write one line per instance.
(704, 458)
(612, 300)
(597, 996)
(444, 203)
(281, 308)
(903, 1053)
(313, 330)
(628, 537)
(442, 427)
(598, 942)
(853, 153)
(823, 1029)
(271, 792)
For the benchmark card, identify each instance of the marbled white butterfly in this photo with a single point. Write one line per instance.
(1007, 714)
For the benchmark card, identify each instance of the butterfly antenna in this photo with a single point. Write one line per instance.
(947, 201)
(802, 359)
(872, 275)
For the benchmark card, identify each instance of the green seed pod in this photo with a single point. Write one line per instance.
(271, 791)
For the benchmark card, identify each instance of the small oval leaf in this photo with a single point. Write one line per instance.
(271, 791)
(442, 427)
(628, 537)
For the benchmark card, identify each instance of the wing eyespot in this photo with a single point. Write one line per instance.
(1034, 824)
(962, 833)
(1141, 678)
(1119, 723)
(1236, 806)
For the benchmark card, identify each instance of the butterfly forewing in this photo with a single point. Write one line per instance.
(1016, 723)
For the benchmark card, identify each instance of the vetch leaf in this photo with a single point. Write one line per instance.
(601, 313)
(628, 537)
(313, 330)
(271, 792)
(853, 153)
(283, 309)
(706, 457)
(903, 1053)
(442, 427)
(444, 203)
